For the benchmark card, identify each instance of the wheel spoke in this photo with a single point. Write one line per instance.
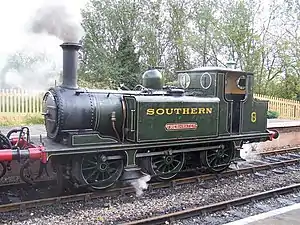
(159, 161)
(97, 176)
(165, 168)
(222, 160)
(218, 162)
(211, 155)
(108, 173)
(177, 161)
(172, 165)
(89, 168)
(213, 159)
(91, 175)
(160, 166)
(91, 162)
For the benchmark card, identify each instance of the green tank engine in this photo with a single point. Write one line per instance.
(98, 137)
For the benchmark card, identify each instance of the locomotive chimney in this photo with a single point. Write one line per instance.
(70, 63)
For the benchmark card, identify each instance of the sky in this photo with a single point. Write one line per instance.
(14, 19)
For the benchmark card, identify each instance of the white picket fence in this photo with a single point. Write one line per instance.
(16, 101)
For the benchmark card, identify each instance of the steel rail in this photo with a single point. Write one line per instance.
(124, 190)
(188, 213)
(279, 151)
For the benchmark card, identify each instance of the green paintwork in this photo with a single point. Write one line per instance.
(130, 155)
(106, 105)
(75, 140)
(202, 84)
(260, 109)
(215, 90)
(224, 119)
(152, 127)
(192, 86)
(152, 79)
(131, 120)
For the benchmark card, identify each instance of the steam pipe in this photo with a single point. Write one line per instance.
(70, 63)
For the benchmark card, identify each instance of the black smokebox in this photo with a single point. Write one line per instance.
(70, 63)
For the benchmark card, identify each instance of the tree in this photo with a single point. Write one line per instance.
(127, 64)
(202, 39)
(106, 23)
(179, 33)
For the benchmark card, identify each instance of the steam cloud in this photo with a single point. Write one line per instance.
(249, 153)
(54, 19)
(140, 184)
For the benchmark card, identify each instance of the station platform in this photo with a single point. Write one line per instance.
(289, 215)
(272, 123)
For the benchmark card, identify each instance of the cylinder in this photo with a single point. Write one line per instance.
(70, 63)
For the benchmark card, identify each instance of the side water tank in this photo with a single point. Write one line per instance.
(152, 79)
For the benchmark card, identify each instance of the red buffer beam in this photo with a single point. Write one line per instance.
(35, 153)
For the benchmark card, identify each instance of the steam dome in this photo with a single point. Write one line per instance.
(152, 79)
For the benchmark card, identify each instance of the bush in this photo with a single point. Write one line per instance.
(20, 120)
(272, 114)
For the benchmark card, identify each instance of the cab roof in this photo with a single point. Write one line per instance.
(212, 68)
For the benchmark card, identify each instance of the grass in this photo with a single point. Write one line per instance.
(20, 120)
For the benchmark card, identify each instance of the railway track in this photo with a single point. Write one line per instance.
(188, 213)
(266, 161)
(23, 192)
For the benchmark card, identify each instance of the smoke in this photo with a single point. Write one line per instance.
(32, 67)
(38, 80)
(140, 184)
(55, 18)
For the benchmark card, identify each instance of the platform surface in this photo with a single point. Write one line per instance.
(289, 215)
(282, 123)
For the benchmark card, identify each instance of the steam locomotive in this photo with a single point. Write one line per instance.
(96, 138)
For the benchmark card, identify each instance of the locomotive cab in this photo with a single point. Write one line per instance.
(239, 112)
(235, 93)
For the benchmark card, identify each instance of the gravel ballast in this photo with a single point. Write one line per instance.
(112, 210)
(240, 212)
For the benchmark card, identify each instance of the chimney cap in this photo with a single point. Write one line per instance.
(74, 45)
